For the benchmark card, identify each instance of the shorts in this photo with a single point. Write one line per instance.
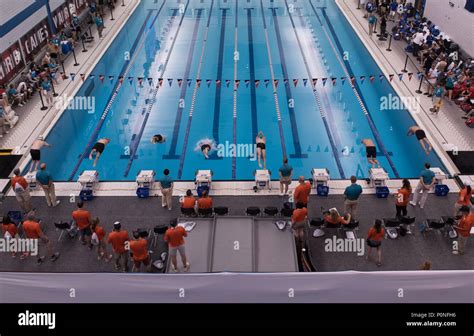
(371, 152)
(420, 134)
(145, 262)
(99, 147)
(285, 179)
(261, 145)
(35, 154)
(204, 147)
(436, 100)
(373, 243)
(86, 232)
(174, 250)
(298, 225)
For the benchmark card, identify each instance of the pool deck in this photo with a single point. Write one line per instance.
(404, 253)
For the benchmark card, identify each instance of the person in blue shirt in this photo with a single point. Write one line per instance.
(99, 23)
(47, 91)
(427, 181)
(166, 186)
(15, 96)
(351, 197)
(438, 94)
(286, 173)
(372, 21)
(46, 181)
(393, 10)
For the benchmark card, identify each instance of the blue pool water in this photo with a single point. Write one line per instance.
(303, 40)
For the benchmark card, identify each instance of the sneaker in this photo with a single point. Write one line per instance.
(421, 206)
(282, 194)
(163, 205)
(40, 260)
(174, 269)
(57, 203)
(412, 204)
(186, 267)
(55, 257)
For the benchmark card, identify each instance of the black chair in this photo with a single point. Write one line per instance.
(332, 227)
(143, 233)
(62, 226)
(391, 222)
(205, 212)
(407, 220)
(352, 225)
(221, 210)
(252, 211)
(270, 211)
(317, 222)
(286, 212)
(435, 224)
(159, 229)
(188, 212)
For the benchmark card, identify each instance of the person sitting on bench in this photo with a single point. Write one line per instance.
(188, 202)
(205, 202)
(333, 218)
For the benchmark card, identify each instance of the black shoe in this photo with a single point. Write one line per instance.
(40, 260)
(55, 257)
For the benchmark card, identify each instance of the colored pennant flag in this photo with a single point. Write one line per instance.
(120, 79)
(208, 82)
(275, 82)
(83, 76)
(267, 81)
(247, 83)
(410, 75)
(150, 81)
(160, 82)
(390, 77)
(218, 82)
(227, 82)
(353, 80)
(189, 81)
(101, 78)
(285, 81)
(324, 81)
(170, 81)
(257, 83)
(400, 76)
(237, 83)
(180, 81)
(198, 82)
(371, 78)
(72, 76)
(111, 79)
(140, 81)
(305, 81)
(295, 82)
(343, 80)
(130, 80)
(91, 77)
(315, 81)
(362, 79)
(333, 79)
(381, 77)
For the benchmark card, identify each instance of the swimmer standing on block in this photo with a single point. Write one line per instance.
(205, 146)
(158, 139)
(98, 149)
(371, 152)
(261, 141)
(421, 136)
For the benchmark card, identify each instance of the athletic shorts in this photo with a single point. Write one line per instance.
(145, 262)
(374, 243)
(298, 225)
(99, 147)
(261, 145)
(35, 154)
(420, 134)
(86, 232)
(371, 152)
(174, 250)
(285, 179)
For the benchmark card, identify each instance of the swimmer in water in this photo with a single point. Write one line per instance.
(421, 136)
(35, 152)
(205, 146)
(158, 139)
(261, 141)
(371, 152)
(98, 149)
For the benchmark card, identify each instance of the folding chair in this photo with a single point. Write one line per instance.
(270, 211)
(252, 211)
(205, 212)
(221, 211)
(391, 227)
(158, 230)
(286, 212)
(62, 227)
(188, 212)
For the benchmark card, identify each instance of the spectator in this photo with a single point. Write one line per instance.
(83, 221)
(188, 202)
(432, 78)
(9, 230)
(98, 235)
(450, 80)
(383, 28)
(286, 173)
(47, 91)
(46, 181)
(204, 202)
(14, 96)
(463, 228)
(352, 194)
(372, 22)
(393, 10)
(464, 199)
(437, 98)
(32, 230)
(299, 221)
(427, 181)
(20, 186)
(333, 217)
(174, 236)
(402, 198)
(119, 238)
(302, 192)
(418, 39)
(99, 22)
(374, 240)
(140, 254)
(166, 186)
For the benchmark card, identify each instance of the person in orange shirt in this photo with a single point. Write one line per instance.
(100, 234)
(32, 230)
(464, 228)
(298, 221)
(188, 202)
(9, 229)
(205, 202)
(120, 246)
(139, 250)
(464, 198)
(83, 221)
(174, 236)
(402, 198)
(374, 240)
(333, 217)
(20, 186)
(302, 192)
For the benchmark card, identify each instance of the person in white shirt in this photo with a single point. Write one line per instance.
(418, 41)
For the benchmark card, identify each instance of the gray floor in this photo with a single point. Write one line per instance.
(405, 253)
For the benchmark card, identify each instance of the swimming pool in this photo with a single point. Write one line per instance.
(218, 42)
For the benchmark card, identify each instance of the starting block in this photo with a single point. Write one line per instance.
(320, 181)
(203, 181)
(145, 180)
(262, 179)
(88, 180)
(31, 179)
